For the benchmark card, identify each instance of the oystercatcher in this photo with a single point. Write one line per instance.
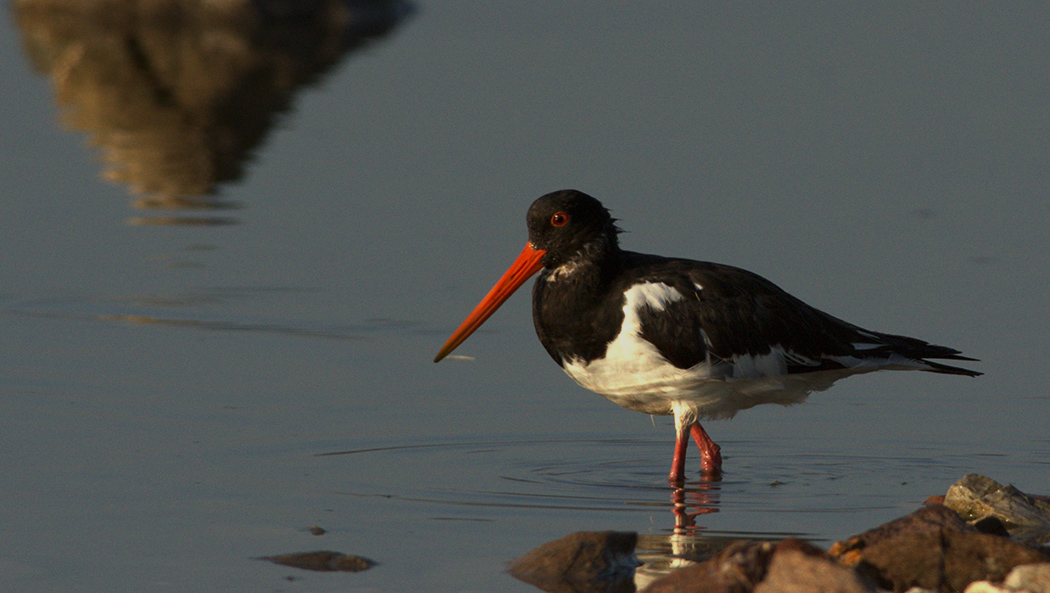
(692, 339)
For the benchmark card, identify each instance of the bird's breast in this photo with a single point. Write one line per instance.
(630, 370)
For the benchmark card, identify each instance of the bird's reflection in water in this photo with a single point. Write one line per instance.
(687, 543)
(695, 498)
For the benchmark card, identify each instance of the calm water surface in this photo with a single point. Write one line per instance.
(226, 272)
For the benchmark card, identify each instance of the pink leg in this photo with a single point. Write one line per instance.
(678, 463)
(710, 453)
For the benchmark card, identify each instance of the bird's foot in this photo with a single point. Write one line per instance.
(710, 452)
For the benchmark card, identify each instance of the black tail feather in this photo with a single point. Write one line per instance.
(936, 367)
(919, 350)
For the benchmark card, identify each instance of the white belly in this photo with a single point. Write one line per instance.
(694, 393)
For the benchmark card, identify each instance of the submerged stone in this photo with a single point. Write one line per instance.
(323, 560)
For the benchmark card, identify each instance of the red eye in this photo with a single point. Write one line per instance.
(559, 219)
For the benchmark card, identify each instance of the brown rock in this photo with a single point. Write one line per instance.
(583, 561)
(798, 567)
(792, 566)
(978, 556)
(934, 549)
(929, 519)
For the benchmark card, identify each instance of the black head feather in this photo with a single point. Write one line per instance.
(569, 223)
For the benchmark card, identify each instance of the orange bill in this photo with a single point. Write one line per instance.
(527, 264)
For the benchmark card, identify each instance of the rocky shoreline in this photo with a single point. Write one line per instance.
(980, 537)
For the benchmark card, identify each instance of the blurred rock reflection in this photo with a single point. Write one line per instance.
(177, 94)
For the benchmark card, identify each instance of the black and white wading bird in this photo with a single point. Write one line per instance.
(692, 339)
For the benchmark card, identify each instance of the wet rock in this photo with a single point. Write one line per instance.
(585, 561)
(932, 550)
(982, 500)
(935, 549)
(791, 566)
(798, 567)
(928, 520)
(323, 560)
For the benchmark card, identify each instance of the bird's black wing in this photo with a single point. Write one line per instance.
(728, 312)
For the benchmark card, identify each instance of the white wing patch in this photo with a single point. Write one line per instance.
(655, 295)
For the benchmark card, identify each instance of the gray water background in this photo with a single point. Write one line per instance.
(178, 400)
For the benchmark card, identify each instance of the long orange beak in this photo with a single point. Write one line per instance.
(527, 264)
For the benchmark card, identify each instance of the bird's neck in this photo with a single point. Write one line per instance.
(570, 308)
(588, 265)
